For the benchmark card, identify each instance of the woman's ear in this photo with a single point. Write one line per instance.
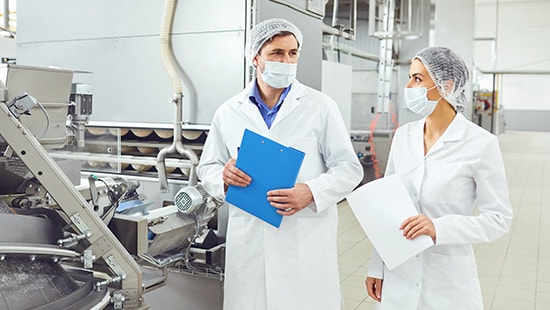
(447, 87)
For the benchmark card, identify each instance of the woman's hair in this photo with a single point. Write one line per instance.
(449, 72)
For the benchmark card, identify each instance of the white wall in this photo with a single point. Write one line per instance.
(7, 47)
(520, 29)
(454, 28)
(511, 39)
(525, 92)
(336, 82)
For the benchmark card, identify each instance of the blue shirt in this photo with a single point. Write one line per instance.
(267, 114)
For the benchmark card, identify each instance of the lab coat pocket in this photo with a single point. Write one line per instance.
(311, 166)
(450, 279)
(235, 244)
(316, 243)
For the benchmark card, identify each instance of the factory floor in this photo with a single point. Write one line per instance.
(514, 270)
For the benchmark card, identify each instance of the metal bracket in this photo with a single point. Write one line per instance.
(75, 219)
(88, 259)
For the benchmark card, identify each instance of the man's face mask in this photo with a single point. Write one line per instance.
(416, 100)
(278, 74)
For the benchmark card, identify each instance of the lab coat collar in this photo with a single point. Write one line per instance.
(297, 91)
(454, 132)
(456, 129)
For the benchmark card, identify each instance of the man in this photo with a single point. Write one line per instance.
(294, 266)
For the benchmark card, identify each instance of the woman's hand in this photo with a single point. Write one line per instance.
(418, 225)
(374, 288)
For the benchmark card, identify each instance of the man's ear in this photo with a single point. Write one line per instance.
(255, 61)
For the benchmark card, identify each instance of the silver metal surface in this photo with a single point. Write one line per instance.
(29, 150)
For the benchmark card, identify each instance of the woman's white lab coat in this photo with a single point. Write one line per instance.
(295, 266)
(461, 171)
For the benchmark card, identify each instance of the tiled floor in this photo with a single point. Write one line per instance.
(515, 270)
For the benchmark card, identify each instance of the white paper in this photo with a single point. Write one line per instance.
(381, 206)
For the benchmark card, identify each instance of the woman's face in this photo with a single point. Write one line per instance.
(419, 77)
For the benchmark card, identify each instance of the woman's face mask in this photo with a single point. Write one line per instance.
(278, 74)
(416, 100)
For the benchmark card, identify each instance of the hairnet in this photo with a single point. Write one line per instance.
(263, 31)
(449, 72)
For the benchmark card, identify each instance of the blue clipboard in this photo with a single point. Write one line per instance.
(271, 165)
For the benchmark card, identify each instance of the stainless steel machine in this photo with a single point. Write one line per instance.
(95, 243)
(117, 177)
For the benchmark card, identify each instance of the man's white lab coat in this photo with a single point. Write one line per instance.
(295, 266)
(462, 170)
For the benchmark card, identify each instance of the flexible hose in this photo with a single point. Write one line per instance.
(166, 52)
(170, 65)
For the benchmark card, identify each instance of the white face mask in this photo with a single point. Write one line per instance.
(278, 74)
(416, 100)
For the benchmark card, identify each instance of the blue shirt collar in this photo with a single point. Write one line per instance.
(258, 101)
(267, 113)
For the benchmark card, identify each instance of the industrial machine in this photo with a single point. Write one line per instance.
(100, 158)
(95, 243)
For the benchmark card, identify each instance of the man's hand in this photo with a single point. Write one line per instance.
(234, 176)
(292, 200)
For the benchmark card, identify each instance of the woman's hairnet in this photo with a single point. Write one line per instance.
(449, 72)
(263, 31)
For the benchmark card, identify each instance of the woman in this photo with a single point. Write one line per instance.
(450, 166)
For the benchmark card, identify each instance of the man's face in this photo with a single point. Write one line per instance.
(281, 48)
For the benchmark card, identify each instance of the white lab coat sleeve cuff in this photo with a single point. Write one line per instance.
(376, 266)
(332, 187)
(313, 206)
(215, 186)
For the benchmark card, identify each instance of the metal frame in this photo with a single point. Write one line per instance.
(109, 253)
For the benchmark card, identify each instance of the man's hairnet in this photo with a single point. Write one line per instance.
(449, 72)
(263, 31)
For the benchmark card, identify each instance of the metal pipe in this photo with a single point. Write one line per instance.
(353, 51)
(334, 19)
(333, 31)
(353, 19)
(170, 65)
(334, 13)
(7, 15)
(338, 30)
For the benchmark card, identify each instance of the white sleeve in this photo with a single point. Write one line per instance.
(212, 161)
(495, 210)
(344, 170)
(376, 266)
